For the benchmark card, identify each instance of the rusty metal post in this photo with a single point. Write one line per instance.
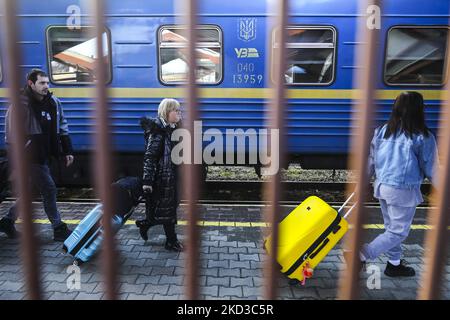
(191, 172)
(103, 156)
(436, 240)
(276, 122)
(19, 158)
(365, 76)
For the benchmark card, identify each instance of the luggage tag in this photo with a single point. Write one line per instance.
(307, 273)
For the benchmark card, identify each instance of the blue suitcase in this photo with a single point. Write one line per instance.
(87, 237)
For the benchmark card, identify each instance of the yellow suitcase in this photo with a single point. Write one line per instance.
(306, 236)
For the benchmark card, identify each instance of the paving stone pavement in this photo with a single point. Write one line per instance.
(231, 263)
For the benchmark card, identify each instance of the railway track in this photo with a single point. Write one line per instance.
(232, 192)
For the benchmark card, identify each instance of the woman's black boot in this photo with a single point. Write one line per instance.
(143, 226)
(174, 245)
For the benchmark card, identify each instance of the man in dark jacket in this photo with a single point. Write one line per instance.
(3, 178)
(47, 135)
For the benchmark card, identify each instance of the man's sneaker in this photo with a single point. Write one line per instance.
(362, 264)
(61, 233)
(402, 270)
(7, 226)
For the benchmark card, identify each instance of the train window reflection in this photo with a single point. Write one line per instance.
(173, 65)
(416, 56)
(72, 54)
(310, 55)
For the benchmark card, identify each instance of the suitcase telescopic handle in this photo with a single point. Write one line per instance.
(345, 203)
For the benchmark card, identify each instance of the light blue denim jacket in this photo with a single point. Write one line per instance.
(400, 161)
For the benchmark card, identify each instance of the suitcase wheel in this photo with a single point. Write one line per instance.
(77, 262)
(294, 282)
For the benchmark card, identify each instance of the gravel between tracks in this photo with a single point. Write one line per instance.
(293, 173)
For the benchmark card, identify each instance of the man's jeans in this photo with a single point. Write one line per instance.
(397, 223)
(42, 179)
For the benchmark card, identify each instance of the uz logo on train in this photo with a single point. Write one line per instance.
(246, 52)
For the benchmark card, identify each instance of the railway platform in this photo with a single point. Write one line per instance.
(232, 259)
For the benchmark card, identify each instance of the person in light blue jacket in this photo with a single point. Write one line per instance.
(402, 153)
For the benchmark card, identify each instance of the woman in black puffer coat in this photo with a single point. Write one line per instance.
(160, 174)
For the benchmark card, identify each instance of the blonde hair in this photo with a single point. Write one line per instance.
(167, 106)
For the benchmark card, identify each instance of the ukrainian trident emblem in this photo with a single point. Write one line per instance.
(247, 29)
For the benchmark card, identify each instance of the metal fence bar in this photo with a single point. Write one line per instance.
(191, 172)
(276, 122)
(361, 137)
(436, 240)
(103, 163)
(19, 158)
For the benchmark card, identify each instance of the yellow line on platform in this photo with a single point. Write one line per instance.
(205, 223)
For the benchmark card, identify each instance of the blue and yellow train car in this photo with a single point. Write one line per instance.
(144, 50)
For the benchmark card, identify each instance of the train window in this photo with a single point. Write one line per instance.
(416, 56)
(311, 54)
(72, 54)
(173, 65)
